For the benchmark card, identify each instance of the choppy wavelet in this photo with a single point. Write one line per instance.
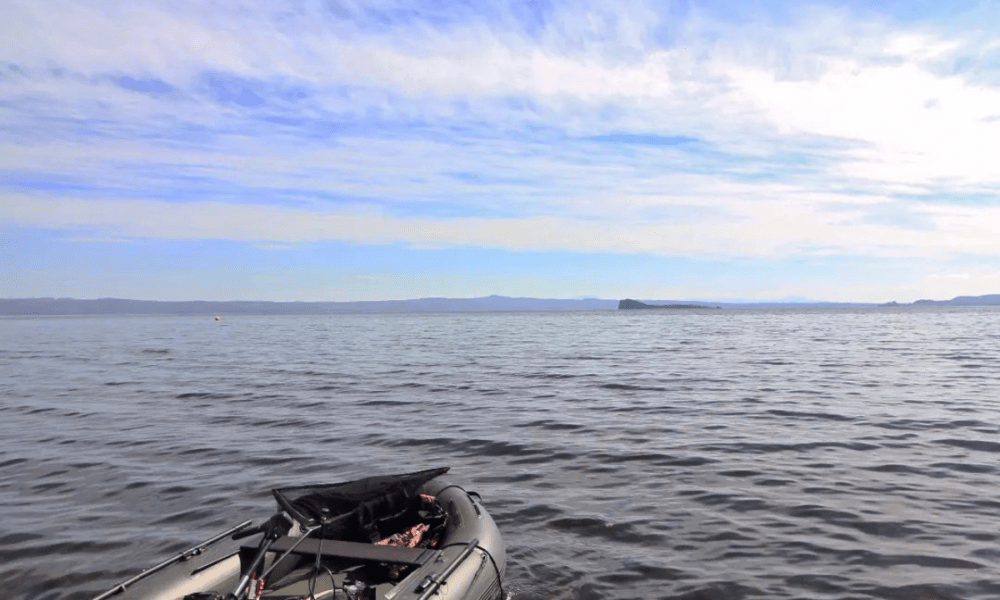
(829, 454)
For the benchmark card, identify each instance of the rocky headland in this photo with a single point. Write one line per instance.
(629, 304)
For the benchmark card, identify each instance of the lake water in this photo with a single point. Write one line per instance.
(813, 454)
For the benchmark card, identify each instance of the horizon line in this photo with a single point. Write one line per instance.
(496, 296)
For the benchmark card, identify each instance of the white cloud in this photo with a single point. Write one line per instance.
(907, 138)
(764, 228)
(758, 96)
(918, 46)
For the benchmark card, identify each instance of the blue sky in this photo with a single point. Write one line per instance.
(350, 150)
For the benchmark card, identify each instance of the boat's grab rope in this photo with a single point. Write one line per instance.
(493, 561)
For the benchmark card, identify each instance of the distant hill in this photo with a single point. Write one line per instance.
(629, 304)
(119, 306)
(987, 300)
(749, 305)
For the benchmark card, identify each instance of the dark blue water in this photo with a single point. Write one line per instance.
(827, 454)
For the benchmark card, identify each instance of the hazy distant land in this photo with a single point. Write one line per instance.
(118, 306)
(987, 300)
(112, 306)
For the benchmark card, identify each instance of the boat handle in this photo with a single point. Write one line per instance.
(192, 551)
(433, 582)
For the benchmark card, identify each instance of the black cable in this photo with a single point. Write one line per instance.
(333, 583)
(497, 569)
(312, 585)
(487, 553)
(313, 578)
(315, 572)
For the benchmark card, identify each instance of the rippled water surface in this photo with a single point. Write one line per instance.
(669, 454)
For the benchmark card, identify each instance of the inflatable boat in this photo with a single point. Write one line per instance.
(395, 537)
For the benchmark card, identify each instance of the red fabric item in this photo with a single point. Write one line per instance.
(406, 539)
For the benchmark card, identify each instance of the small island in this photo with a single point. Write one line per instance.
(629, 304)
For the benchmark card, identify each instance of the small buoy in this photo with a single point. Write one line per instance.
(218, 318)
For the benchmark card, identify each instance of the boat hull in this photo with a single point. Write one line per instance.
(216, 569)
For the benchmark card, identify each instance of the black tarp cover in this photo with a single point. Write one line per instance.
(356, 510)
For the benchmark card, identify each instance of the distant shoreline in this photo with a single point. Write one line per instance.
(120, 306)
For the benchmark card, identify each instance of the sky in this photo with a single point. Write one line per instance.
(351, 150)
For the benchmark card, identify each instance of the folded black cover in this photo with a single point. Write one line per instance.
(356, 510)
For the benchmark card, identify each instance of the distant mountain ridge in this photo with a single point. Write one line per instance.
(987, 300)
(121, 306)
